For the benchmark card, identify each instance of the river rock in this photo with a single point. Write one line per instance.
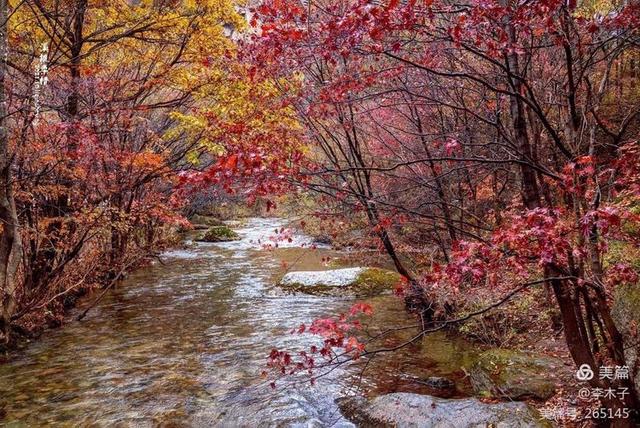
(402, 409)
(437, 382)
(626, 315)
(515, 375)
(218, 234)
(329, 278)
(323, 240)
(360, 280)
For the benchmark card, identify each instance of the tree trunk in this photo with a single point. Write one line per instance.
(530, 190)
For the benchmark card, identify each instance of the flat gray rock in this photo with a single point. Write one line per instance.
(329, 278)
(415, 410)
(358, 281)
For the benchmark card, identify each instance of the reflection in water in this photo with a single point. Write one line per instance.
(183, 343)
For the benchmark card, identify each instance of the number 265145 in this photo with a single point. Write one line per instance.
(602, 413)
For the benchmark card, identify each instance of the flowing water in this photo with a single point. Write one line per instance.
(183, 343)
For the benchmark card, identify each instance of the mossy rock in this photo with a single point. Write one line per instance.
(504, 373)
(349, 281)
(626, 315)
(218, 234)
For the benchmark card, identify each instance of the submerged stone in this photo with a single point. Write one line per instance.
(359, 280)
(218, 234)
(415, 410)
(504, 373)
(437, 382)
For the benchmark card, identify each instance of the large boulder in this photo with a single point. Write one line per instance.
(358, 280)
(626, 315)
(504, 373)
(218, 234)
(402, 409)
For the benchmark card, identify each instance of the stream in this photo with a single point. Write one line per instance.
(183, 343)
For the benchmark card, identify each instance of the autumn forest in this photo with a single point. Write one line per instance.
(320, 212)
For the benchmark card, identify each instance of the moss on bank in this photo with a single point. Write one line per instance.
(504, 373)
(626, 315)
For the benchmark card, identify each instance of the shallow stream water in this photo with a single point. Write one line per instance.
(183, 343)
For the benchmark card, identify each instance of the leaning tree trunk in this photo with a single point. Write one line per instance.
(10, 243)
